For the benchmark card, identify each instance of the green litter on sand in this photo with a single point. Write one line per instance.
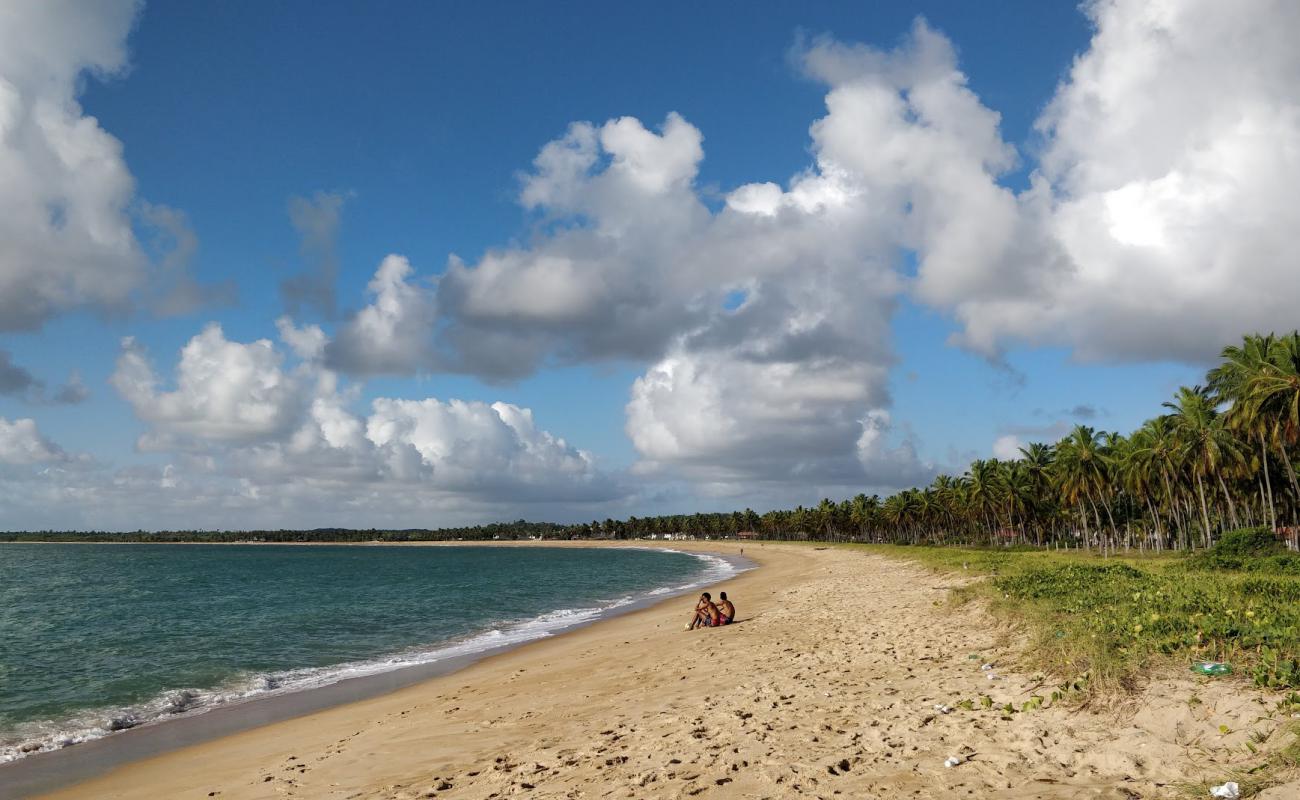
(1212, 668)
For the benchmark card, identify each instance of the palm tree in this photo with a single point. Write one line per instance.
(1037, 460)
(1262, 381)
(1233, 381)
(982, 492)
(1208, 446)
(861, 511)
(1083, 473)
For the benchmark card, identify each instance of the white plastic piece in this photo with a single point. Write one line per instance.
(1228, 791)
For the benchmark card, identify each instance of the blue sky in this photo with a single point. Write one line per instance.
(423, 123)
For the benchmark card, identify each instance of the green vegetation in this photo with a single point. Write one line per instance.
(1107, 620)
(1250, 549)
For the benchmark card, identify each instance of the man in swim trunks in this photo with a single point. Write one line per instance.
(726, 609)
(706, 613)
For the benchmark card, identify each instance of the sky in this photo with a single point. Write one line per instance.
(303, 264)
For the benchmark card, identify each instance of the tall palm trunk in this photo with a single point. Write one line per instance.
(1095, 515)
(1232, 507)
(1155, 518)
(1290, 471)
(1268, 481)
(1173, 508)
(1205, 512)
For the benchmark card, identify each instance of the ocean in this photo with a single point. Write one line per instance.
(98, 638)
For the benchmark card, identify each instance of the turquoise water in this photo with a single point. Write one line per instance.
(97, 638)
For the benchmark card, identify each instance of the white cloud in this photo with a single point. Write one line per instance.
(611, 274)
(1007, 447)
(725, 420)
(654, 163)
(67, 239)
(22, 443)
(307, 342)
(392, 335)
(1155, 226)
(473, 446)
(65, 234)
(225, 391)
(630, 263)
(1159, 220)
(265, 439)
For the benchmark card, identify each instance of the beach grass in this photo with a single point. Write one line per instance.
(1101, 624)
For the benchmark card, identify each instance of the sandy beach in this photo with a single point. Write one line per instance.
(828, 686)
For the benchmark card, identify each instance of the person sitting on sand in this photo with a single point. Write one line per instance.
(726, 609)
(706, 613)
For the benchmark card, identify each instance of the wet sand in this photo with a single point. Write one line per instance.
(826, 687)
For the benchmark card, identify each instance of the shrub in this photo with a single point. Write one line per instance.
(1247, 543)
(1247, 550)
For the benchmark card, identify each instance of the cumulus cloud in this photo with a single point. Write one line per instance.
(67, 198)
(1158, 221)
(270, 434)
(307, 342)
(612, 273)
(765, 323)
(391, 335)
(225, 391)
(22, 443)
(65, 232)
(476, 447)
(1153, 226)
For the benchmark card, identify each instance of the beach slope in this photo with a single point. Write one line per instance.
(827, 686)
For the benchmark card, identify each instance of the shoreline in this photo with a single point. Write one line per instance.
(59, 769)
(847, 674)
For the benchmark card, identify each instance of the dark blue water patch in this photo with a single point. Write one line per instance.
(100, 638)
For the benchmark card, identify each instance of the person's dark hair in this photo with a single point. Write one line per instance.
(706, 596)
(722, 595)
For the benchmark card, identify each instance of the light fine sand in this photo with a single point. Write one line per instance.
(827, 687)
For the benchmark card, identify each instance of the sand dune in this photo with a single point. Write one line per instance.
(828, 687)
